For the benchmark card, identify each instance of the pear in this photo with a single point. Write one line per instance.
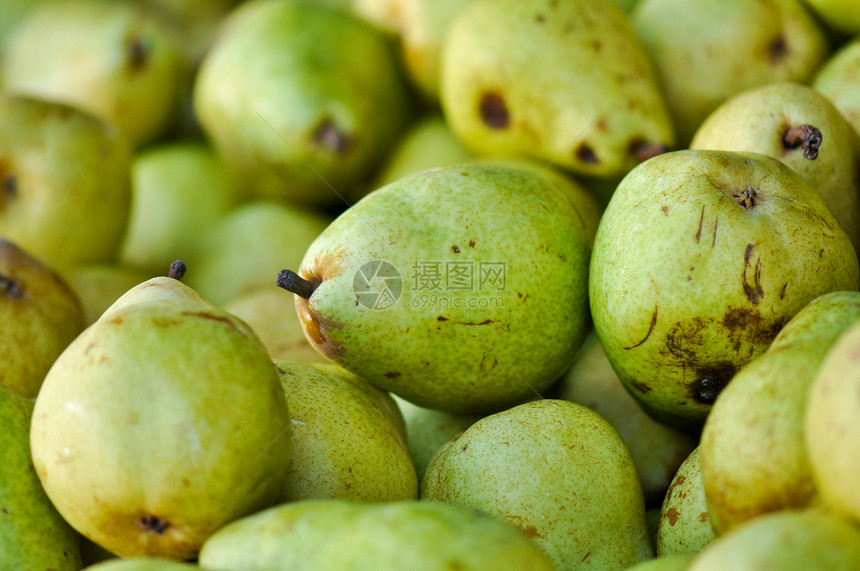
(789, 540)
(481, 269)
(338, 534)
(700, 259)
(243, 248)
(657, 449)
(753, 448)
(65, 182)
(291, 95)
(707, 51)
(665, 563)
(99, 285)
(591, 106)
(831, 425)
(178, 191)
(685, 522)
(345, 444)
(41, 315)
(800, 127)
(160, 423)
(559, 472)
(33, 536)
(836, 78)
(142, 564)
(112, 59)
(272, 316)
(840, 15)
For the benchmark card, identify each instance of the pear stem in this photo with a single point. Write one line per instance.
(9, 287)
(806, 135)
(293, 282)
(177, 270)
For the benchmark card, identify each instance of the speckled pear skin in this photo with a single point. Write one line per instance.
(466, 346)
(685, 524)
(559, 472)
(753, 442)
(700, 259)
(143, 564)
(756, 121)
(33, 535)
(589, 106)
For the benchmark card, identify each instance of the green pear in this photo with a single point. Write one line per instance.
(685, 523)
(160, 423)
(665, 563)
(14, 12)
(800, 127)
(840, 15)
(753, 447)
(65, 182)
(178, 191)
(292, 94)
(428, 429)
(789, 540)
(709, 50)
(272, 316)
(831, 425)
(142, 564)
(246, 246)
(700, 259)
(337, 534)
(461, 288)
(559, 472)
(836, 78)
(109, 58)
(345, 445)
(99, 285)
(33, 536)
(592, 105)
(657, 449)
(41, 315)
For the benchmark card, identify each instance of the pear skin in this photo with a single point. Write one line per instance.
(836, 78)
(685, 524)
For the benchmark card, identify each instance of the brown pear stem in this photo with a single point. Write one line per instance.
(9, 287)
(806, 135)
(293, 282)
(177, 270)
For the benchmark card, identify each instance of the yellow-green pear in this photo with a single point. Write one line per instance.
(160, 423)
(789, 540)
(345, 444)
(701, 257)
(591, 106)
(709, 50)
(685, 524)
(679, 562)
(112, 59)
(840, 15)
(657, 449)
(837, 79)
(559, 472)
(142, 564)
(99, 285)
(338, 534)
(33, 536)
(753, 447)
(41, 315)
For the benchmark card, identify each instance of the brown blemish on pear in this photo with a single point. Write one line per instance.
(137, 53)
(493, 110)
(330, 136)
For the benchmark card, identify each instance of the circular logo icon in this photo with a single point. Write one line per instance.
(377, 285)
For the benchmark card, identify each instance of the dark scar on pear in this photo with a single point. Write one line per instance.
(294, 283)
(647, 335)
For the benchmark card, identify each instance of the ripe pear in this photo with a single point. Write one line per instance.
(753, 448)
(685, 523)
(345, 444)
(800, 127)
(788, 540)
(592, 106)
(840, 15)
(41, 315)
(461, 288)
(160, 423)
(33, 536)
(836, 78)
(112, 59)
(178, 192)
(559, 472)
(657, 449)
(302, 100)
(709, 50)
(65, 182)
(665, 563)
(99, 285)
(338, 534)
(142, 564)
(831, 425)
(243, 248)
(700, 259)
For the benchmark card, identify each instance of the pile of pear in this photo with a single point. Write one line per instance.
(401, 284)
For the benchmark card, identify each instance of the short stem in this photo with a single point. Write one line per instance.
(9, 287)
(806, 135)
(293, 282)
(177, 270)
